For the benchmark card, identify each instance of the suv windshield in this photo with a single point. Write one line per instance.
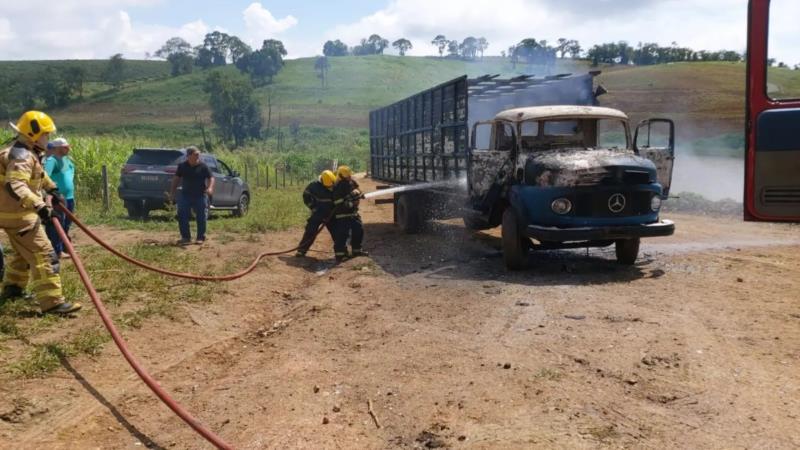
(155, 157)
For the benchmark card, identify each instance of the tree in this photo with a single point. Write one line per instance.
(179, 53)
(483, 44)
(237, 49)
(75, 77)
(172, 46)
(402, 45)
(377, 43)
(115, 71)
(441, 43)
(452, 48)
(321, 66)
(334, 48)
(52, 88)
(263, 64)
(181, 63)
(234, 109)
(468, 48)
(214, 50)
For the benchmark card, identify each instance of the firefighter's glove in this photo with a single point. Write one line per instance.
(56, 198)
(357, 194)
(45, 213)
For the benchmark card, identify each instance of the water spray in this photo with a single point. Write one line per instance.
(453, 182)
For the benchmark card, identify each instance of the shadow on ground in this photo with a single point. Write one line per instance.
(450, 252)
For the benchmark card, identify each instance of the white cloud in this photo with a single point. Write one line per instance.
(6, 34)
(260, 24)
(711, 24)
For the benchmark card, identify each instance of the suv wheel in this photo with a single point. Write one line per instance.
(242, 206)
(136, 210)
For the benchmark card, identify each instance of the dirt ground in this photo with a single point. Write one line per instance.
(696, 346)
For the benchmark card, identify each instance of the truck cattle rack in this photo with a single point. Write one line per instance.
(425, 137)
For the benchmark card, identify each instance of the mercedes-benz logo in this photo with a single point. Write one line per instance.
(616, 203)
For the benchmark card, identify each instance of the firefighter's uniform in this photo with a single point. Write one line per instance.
(34, 261)
(319, 199)
(346, 197)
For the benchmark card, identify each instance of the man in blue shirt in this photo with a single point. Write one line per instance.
(61, 170)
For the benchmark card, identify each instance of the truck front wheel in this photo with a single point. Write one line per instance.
(515, 245)
(408, 214)
(627, 251)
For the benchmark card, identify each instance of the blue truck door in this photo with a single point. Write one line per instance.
(655, 140)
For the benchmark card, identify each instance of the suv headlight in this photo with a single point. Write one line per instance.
(561, 206)
(655, 203)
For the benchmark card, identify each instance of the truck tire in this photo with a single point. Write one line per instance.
(627, 251)
(242, 206)
(515, 245)
(408, 214)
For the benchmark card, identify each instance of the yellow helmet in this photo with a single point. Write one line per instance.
(327, 178)
(33, 124)
(344, 172)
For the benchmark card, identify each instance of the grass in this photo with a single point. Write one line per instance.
(132, 299)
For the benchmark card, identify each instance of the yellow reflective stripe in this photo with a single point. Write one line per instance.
(51, 293)
(17, 175)
(53, 280)
(29, 201)
(19, 215)
(11, 270)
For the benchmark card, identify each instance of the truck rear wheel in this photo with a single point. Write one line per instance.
(408, 214)
(627, 251)
(515, 245)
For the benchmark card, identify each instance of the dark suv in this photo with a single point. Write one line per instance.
(146, 176)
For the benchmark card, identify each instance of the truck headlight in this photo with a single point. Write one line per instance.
(561, 206)
(655, 203)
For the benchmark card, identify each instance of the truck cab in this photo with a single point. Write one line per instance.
(567, 176)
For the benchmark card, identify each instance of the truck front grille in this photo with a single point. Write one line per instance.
(600, 204)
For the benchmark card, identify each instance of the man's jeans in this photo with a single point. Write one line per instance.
(186, 205)
(52, 234)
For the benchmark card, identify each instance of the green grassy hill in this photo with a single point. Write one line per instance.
(705, 99)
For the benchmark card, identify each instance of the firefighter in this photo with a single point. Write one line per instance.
(23, 211)
(346, 197)
(318, 197)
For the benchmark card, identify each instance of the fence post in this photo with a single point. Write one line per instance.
(276, 176)
(246, 178)
(104, 175)
(266, 170)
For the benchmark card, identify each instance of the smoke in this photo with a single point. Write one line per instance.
(713, 177)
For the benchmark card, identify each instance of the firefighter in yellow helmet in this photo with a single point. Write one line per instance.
(346, 196)
(23, 210)
(318, 197)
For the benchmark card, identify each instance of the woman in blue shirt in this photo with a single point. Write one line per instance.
(61, 170)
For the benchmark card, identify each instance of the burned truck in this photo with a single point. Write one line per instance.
(535, 156)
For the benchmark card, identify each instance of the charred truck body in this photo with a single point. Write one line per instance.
(539, 158)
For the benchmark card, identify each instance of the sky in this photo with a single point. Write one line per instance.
(97, 29)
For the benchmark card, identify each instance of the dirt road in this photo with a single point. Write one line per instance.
(697, 346)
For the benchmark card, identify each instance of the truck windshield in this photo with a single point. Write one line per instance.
(611, 134)
(594, 133)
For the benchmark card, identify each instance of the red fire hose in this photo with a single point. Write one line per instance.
(190, 276)
(148, 380)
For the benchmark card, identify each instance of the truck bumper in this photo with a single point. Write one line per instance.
(554, 234)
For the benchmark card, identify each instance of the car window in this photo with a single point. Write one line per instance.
(225, 169)
(211, 162)
(156, 157)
